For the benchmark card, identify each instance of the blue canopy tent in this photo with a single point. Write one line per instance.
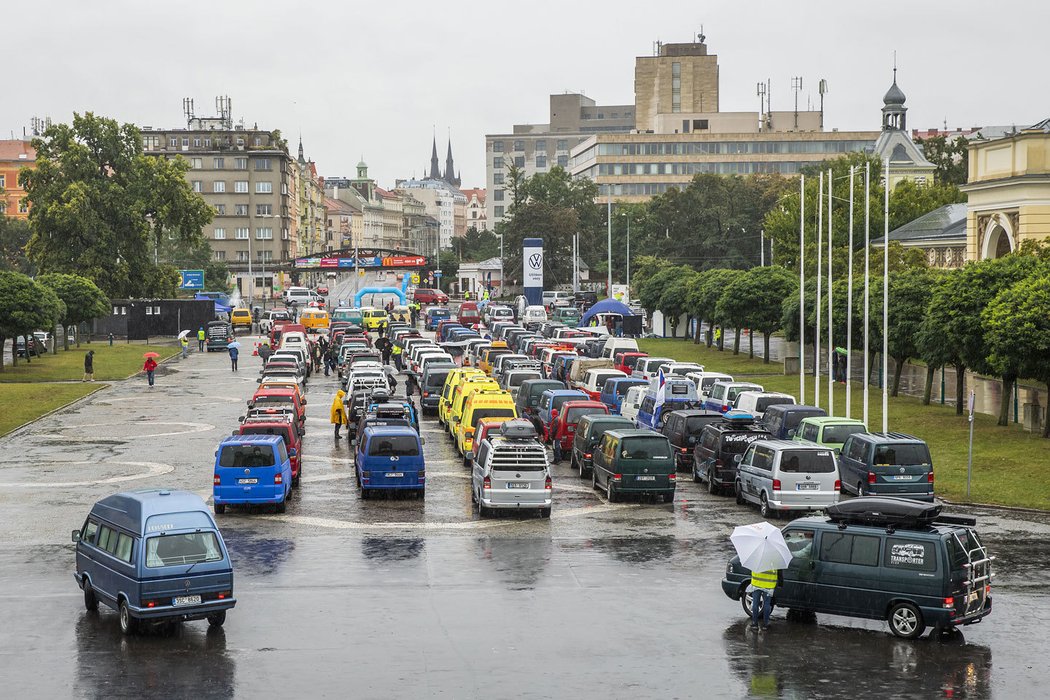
(605, 306)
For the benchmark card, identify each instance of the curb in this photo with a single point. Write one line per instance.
(53, 411)
(995, 506)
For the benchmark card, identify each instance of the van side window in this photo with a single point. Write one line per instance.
(107, 539)
(800, 542)
(648, 404)
(708, 440)
(763, 459)
(913, 555)
(844, 548)
(123, 548)
(718, 391)
(810, 433)
(90, 532)
(856, 449)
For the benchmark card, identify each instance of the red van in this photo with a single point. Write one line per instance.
(274, 422)
(563, 428)
(468, 313)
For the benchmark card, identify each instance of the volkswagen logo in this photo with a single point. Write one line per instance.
(645, 471)
(186, 584)
(535, 260)
(902, 470)
(247, 471)
(808, 477)
(394, 458)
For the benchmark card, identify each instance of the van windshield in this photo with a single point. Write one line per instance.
(189, 548)
(735, 391)
(839, 433)
(645, 448)
(807, 462)
(436, 379)
(765, 402)
(490, 413)
(246, 456)
(518, 377)
(901, 454)
(573, 415)
(394, 446)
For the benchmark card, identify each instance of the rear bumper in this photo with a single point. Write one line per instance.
(188, 612)
(821, 500)
(942, 617)
(252, 499)
(927, 497)
(406, 486)
(515, 505)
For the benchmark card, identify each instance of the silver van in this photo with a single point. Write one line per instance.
(783, 475)
(511, 471)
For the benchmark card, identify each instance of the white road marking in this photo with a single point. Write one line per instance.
(153, 469)
(191, 428)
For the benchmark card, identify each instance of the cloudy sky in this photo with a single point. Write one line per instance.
(378, 79)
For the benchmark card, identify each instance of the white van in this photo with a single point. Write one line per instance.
(704, 381)
(782, 475)
(613, 345)
(632, 401)
(298, 295)
(756, 402)
(533, 316)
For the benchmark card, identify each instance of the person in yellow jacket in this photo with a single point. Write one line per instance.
(762, 585)
(338, 412)
(396, 353)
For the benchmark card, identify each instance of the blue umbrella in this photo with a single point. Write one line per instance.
(234, 344)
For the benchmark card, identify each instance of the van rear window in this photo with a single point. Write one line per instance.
(490, 413)
(246, 456)
(189, 548)
(645, 448)
(393, 446)
(839, 433)
(267, 430)
(765, 402)
(905, 454)
(436, 379)
(573, 415)
(807, 462)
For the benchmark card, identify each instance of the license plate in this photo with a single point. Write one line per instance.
(247, 481)
(807, 486)
(518, 485)
(972, 597)
(186, 600)
(646, 478)
(394, 475)
(901, 477)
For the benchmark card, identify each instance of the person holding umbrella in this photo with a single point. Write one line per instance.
(264, 351)
(150, 366)
(762, 549)
(234, 348)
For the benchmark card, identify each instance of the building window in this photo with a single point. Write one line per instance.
(242, 256)
(198, 186)
(519, 161)
(541, 145)
(242, 234)
(220, 255)
(258, 140)
(700, 124)
(220, 210)
(3, 181)
(262, 164)
(149, 310)
(218, 163)
(220, 234)
(563, 145)
(264, 234)
(497, 146)
(173, 142)
(676, 87)
(497, 163)
(497, 195)
(563, 161)
(240, 163)
(185, 142)
(519, 145)
(207, 143)
(263, 188)
(284, 188)
(218, 186)
(497, 179)
(240, 210)
(197, 142)
(265, 256)
(240, 186)
(541, 161)
(240, 142)
(497, 211)
(263, 209)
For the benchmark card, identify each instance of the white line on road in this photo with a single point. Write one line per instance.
(153, 469)
(190, 428)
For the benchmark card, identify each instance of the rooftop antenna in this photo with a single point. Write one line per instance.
(761, 90)
(822, 88)
(187, 108)
(701, 35)
(796, 85)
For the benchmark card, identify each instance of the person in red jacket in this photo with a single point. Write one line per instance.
(149, 368)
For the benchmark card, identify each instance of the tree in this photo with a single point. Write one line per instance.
(25, 306)
(476, 245)
(100, 207)
(909, 201)
(909, 296)
(14, 235)
(704, 293)
(448, 263)
(753, 300)
(674, 302)
(1017, 330)
(950, 157)
(82, 299)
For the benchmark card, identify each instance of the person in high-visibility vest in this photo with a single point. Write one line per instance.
(762, 585)
(396, 353)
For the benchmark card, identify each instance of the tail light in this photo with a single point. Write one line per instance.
(278, 478)
(949, 602)
(587, 455)
(672, 476)
(871, 477)
(426, 394)
(215, 480)
(617, 477)
(487, 483)
(547, 484)
(838, 485)
(929, 477)
(718, 463)
(776, 484)
(422, 475)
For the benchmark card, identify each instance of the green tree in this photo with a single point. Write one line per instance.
(82, 299)
(753, 300)
(14, 235)
(448, 263)
(674, 302)
(909, 294)
(909, 201)
(476, 245)
(100, 207)
(25, 306)
(1017, 330)
(951, 158)
(704, 293)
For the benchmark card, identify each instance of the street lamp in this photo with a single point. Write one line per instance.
(627, 215)
(502, 282)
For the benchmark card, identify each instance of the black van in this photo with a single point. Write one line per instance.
(528, 398)
(720, 448)
(782, 419)
(886, 464)
(683, 428)
(887, 559)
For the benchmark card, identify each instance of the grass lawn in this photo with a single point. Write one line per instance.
(1009, 464)
(117, 362)
(25, 402)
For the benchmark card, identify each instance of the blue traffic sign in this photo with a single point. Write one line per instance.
(192, 279)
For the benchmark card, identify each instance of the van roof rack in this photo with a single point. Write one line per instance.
(884, 510)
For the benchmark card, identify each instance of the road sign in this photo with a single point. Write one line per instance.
(191, 279)
(415, 278)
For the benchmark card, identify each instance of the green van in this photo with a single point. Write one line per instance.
(634, 462)
(829, 431)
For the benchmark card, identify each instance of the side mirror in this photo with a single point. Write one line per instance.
(293, 452)
(76, 535)
(240, 419)
(234, 433)
(422, 441)
(249, 402)
(791, 433)
(738, 458)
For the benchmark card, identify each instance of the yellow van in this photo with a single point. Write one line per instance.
(489, 355)
(314, 319)
(373, 319)
(482, 404)
(401, 314)
(454, 378)
(241, 317)
(459, 398)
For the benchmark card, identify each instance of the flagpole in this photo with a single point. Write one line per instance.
(886, 303)
(831, 341)
(849, 304)
(867, 240)
(820, 266)
(802, 291)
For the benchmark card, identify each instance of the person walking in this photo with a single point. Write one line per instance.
(264, 351)
(201, 337)
(396, 352)
(185, 343)
(762, 585)
(337, 414)
(89, 366)
(315, 356)
(150, 367)
(234, 352)
(385, 347)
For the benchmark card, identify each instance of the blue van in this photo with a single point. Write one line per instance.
(390, 458)
(680, 394)
(550, 401)
(615, 389)
(156, 557)
(252, 469)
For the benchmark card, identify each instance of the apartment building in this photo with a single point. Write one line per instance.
(14, 155)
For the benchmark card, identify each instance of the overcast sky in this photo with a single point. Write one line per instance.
(377, 79)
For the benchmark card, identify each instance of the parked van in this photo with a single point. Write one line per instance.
(481, 404)
(298, 295)
(241, 317)
(782, 420)
(756, 402)
(527, 400)
(219, 335)
(589, 432)
(634, 462)
(314, 319)
(390, 458)
(831, 432)
(883, 559)
(156, 557)
(562, 430)
(614, 345)
(720, 448)
(252, 470)
(452, 380)
(374, 319)
(511, 472)
(435, 315)
(616, 388)
(683, 429)
(550, 403)
(886, 464)
(724, 393)
(783, 475)
(468, 313)
(533, 316)
(646, 367)
(679, 394)
(632, 400)
(273, 421)
(625, 361)
(431, 385)
(705, 380)
(459, 400)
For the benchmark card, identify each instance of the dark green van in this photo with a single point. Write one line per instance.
(634, 462)
(589, 432)
(881, 558)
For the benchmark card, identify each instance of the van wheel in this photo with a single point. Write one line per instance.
(295, 480)
(739, 494)
(906, 621)
(860, 488)
(220, 508)
(217, 619)
(282, 506)
(745, 599)
(696, 475)
(365, 494)
(765, 510)
(712, 488)
(128, 624)
(90, 599)
(610, 492)
(594, 479)
(545, 512)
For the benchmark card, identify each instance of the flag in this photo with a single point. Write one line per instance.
(661, 390)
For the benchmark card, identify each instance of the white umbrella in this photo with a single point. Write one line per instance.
(183, 334)
(761, 547)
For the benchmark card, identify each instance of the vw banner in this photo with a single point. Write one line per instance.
(532, 270)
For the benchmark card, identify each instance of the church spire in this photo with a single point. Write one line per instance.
(302, 160)
(450, 168)
(435, 171)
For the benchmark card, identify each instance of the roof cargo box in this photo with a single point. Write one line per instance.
(518, 429)
(884, 510)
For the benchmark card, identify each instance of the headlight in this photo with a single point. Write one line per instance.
(729, 568)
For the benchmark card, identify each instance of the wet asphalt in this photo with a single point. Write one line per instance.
(341, 597)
